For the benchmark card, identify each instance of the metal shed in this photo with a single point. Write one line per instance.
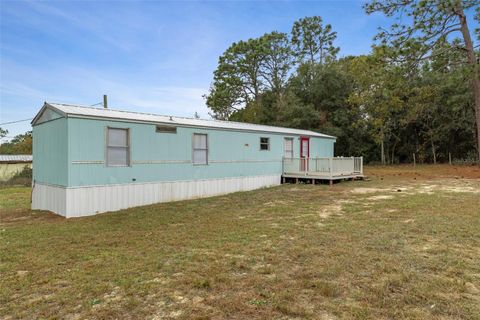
(11, 164)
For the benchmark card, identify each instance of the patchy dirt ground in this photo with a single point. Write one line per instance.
(403, 245)
(424, 171)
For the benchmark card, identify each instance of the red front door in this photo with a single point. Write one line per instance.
(304, 153)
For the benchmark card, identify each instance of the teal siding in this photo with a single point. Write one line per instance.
(231, 154)
(50, 156)
(48, 115)
(321, 147)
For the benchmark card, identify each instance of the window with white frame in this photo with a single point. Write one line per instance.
(264, 143)
(288, 148)
(118, 147)
(200, 148)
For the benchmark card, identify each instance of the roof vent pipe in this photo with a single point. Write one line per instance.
(105, 104)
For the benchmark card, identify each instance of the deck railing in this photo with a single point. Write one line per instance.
(328, 167)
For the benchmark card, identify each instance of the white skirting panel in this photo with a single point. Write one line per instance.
(51, 198)
(90, 200)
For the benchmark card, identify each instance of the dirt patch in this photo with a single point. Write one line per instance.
(75, 316)
(235, 256)
(423, 171)
(20, 216)
(278, 202)
(427, 187)
(34, 298)
(113, 296)
(426, 246)
(159, 280)
(205, 252)
(471, 288)
(380, 197)
(366, 190)
(330, 210)
(454, 186)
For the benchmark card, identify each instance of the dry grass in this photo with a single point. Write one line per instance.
(404, 245)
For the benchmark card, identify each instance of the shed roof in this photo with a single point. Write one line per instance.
(15, 158)
(89, 112)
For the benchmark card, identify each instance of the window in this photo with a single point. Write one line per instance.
(288, 148)
(118, 147)
(264, 143)
(165, 129)
(200, 149)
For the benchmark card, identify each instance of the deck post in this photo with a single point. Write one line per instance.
(330, 160)
(296, 180)
(331, 183)
(283, 179)
(313, 181)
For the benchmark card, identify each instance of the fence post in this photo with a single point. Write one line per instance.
(450, 158)
(414, 161)
(361, 165)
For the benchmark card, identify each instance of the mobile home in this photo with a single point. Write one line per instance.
(91, 160)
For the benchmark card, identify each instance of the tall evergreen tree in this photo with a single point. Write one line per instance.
(421, 26)
(312, 41)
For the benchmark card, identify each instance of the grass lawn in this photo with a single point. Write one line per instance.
(404, 245)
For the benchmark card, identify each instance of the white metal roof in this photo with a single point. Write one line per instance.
(15, 158)
(89, 112)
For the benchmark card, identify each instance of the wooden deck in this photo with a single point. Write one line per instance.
(321, 176)
(322, 169)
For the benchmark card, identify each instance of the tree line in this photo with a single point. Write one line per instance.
(416, 92)
(20, 144)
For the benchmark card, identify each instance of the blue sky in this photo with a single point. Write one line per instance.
(152, 56)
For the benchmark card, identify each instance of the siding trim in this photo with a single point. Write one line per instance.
(176, 161)
(243, 161)
(88, 161)
(160, 161)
